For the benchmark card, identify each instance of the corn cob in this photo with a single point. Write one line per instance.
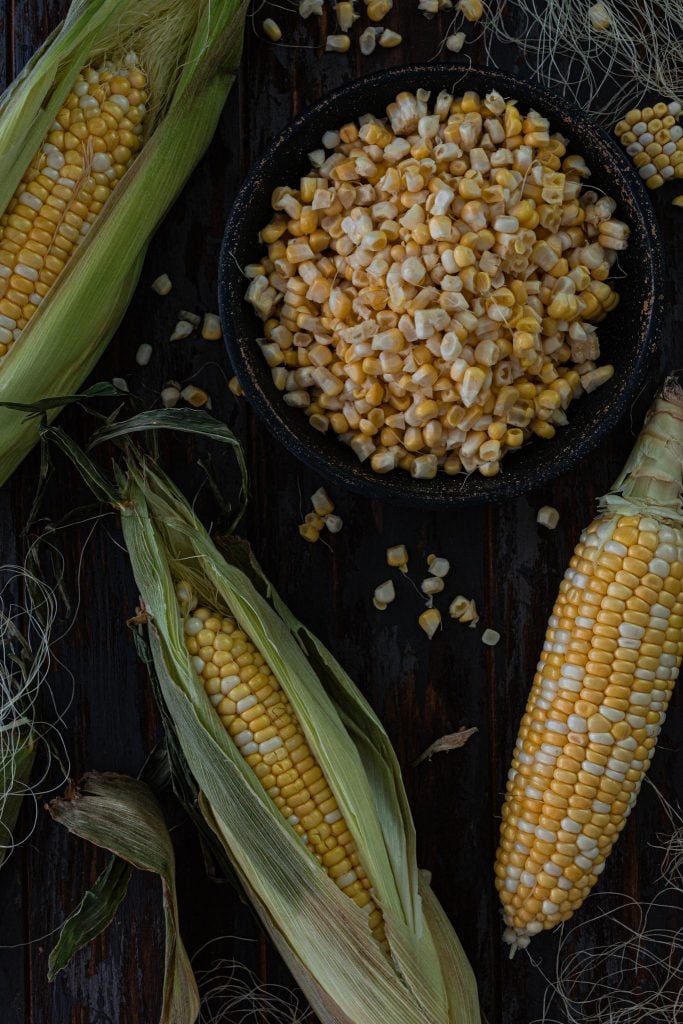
(603, 683)
(91, 145)
(263, 724)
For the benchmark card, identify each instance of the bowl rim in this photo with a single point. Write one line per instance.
(396, 486)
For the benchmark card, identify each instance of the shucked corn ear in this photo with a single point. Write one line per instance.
(297, 776)
(89, 149)
(607, 670)
(266, 730)
(97, 137)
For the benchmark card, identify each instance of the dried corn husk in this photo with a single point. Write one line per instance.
(322, 935)
(190, 50)
(122, 815)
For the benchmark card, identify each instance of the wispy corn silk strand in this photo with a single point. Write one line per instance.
(605, 70)
(28, 610)
(233, 994)
(636, 975)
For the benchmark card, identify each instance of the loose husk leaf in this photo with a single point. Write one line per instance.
(121, 815)
(321, 933)
(451, 741)
(190, 50)
(93, 914)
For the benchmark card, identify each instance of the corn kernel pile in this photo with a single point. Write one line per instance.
(431, 289)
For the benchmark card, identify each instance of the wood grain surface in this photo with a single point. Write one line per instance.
(420, 689)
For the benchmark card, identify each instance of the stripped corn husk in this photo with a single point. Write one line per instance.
(610, 660)
(366, 940)
(65, 285)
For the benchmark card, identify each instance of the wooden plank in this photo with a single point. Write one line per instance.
(421, 690)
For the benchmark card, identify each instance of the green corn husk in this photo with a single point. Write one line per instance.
(190, 50)
(322, 935)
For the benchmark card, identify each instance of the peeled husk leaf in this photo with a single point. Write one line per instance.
(322, 935)
(121, 815)
(190, 50)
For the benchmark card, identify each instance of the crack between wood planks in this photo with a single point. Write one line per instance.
(494, 757)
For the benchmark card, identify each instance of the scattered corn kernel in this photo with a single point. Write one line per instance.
(272, 30)
(430, 621)
(162, 285)
(397, 557)
(309, 533)
(333, 523)
(438, 566)
(385, 593)
(548, 516)
(376, 10)
(235, 387)
(120, 383)
(455, 42)
(321, 502)
(367, 41)
(346, 15)
(183, 329)
(471, 9)
(432, 585)
(143, 354)
(464, 610)
(190, 317)
(194, 396)
(490, 637)
(389, 39)
(211, 327)
(337, 44)
(599, 17)
(170, 396)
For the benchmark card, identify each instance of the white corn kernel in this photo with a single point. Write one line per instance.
(490, 637)
(455, 42)
(389, 39)
(183, 329)
(438, 566)
(321, 502)
(337, 44)
(143, 354)
(432, 585)
(170, 396)
(162, 285)
(368, 41)
(385, 593)
(548, 516)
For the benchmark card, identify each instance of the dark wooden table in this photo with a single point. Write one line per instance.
(420, 689)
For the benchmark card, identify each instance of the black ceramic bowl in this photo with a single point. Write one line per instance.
(628, 336)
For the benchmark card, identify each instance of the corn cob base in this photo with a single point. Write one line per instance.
(256, 713)
(88, 150)
(599, 698)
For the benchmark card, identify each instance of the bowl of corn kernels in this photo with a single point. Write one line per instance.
(441, 285)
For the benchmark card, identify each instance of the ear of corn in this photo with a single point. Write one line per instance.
(610, 660)
(391, 956)
(187, 51)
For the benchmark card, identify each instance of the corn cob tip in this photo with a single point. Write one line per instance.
(672, 388)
